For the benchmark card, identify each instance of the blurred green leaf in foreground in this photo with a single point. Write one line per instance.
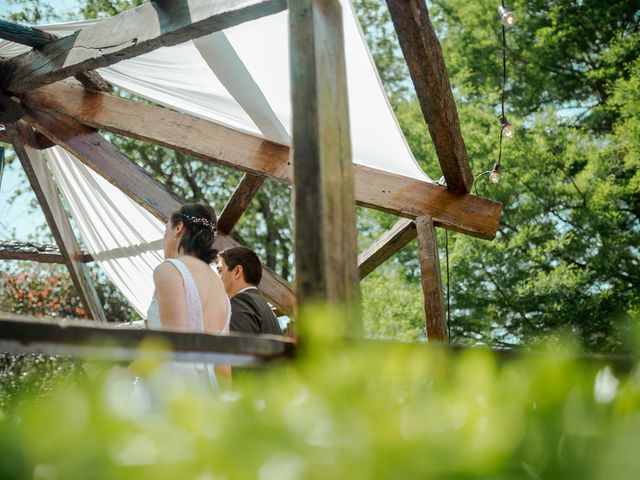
(341, 410)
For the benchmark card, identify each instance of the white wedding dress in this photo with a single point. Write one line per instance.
(199, 371)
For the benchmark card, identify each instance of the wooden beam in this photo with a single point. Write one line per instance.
(41, 142)
(323, 186)
(21, 334)
(431, 280)
(32, 37)
(423, 54)
(131, 33)
(93, 150)
(35, 252)
(376, 189)
(239, 201)
(119, 342)
(384, 247)
(36, 38)
(10, 110)
(40, 179)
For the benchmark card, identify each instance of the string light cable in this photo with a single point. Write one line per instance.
(508, 20)
(446, 249)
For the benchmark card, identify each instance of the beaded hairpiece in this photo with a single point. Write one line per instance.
(200, 220)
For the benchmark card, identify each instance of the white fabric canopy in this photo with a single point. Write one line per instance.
(123, 238)
(239, 78)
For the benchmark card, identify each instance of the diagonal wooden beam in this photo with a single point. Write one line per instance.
(10, 110)
(93, 150)
(41, 142)
(40, 179)
(431, 280)
(36, 38)
(423, 54)
(376, 189)
(384, 247)
(131, 33)
(24, 35)
(239, 201)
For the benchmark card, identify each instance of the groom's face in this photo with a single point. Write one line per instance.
(225, 275)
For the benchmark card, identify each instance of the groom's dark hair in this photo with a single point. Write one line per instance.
(247, 259)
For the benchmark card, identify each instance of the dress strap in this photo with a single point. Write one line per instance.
(194, 307)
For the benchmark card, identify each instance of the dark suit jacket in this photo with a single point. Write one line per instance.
(250, 313)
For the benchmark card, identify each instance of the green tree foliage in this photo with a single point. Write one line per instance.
(106, 8)
(377, 27)
(561, 52)
(566, 256)
(30, 11)
(392, 306)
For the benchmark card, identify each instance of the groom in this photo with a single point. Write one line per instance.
(241, 270)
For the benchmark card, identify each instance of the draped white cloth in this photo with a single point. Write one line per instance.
(124, 238)
(238, 78)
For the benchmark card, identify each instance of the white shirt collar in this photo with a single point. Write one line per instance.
(245, 289)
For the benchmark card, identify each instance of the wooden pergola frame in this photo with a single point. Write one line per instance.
(40, 109)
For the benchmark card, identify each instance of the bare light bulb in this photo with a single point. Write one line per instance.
(507, 17)
(507, 129)
(494, 176)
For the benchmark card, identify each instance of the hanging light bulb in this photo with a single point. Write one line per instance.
(494, 176)
(507, 128)
(507, 17)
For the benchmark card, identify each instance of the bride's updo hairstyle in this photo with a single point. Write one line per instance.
(200, 224)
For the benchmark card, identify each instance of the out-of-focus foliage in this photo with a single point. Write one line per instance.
(34, 376)
(31, 289)
(340, 411)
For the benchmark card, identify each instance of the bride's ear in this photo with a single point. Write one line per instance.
(180, 229)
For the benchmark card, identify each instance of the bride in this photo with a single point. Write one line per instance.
(189, 295)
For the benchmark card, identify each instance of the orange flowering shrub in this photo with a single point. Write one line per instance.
(50, 292)
(30, 289)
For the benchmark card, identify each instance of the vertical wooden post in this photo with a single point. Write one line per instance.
(323, 185)
(431, 280)
(40, 179)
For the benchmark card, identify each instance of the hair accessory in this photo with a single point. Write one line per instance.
(199, 220)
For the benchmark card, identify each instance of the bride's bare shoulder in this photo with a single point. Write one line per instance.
(165, 273)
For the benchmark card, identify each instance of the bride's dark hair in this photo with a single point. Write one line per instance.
(200, 224)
